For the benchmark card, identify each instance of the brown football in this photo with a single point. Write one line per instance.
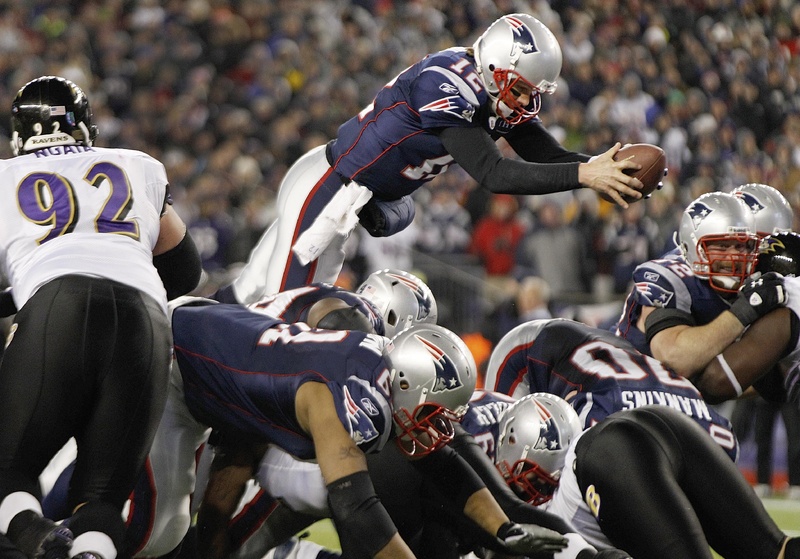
(654, 167)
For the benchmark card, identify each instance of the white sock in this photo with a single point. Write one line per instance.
(94, 542)
(14, 504)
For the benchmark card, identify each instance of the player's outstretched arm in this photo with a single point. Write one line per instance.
(363, 525)
(744, 362)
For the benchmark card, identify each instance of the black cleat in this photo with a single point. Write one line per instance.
(41, 538)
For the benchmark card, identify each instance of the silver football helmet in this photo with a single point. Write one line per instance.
(712, 220)
(535, 433)
(517, 47)
(402, 299)
(772, 211)
(433, 376)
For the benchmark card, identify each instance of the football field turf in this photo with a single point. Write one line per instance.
(786, 513)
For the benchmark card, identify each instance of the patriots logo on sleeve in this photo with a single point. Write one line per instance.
(751, 201)
(362, 428)
(698, 211)
(523, 38)
(652, 294)
(450, 106)
(446, 374)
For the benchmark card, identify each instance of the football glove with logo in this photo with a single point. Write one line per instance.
(529, 539)
(758, 296)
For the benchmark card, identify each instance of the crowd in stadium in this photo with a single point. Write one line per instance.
(228, 94)
(270, 120)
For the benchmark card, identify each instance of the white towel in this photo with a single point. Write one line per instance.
(338, 218)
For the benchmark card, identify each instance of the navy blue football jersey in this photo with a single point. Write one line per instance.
(241, 370)
(392, 147)
(667, 282)
(293, 305)
(482, 419)
(598, 373)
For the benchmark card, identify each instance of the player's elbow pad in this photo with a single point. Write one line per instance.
(363, 524)
(179, 268)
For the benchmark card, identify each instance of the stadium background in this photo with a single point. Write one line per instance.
(228, 93)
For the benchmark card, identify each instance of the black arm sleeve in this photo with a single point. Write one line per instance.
(451, 474)
(661, 319)
(478, 155)
(514, 507)
(180, 267)
(534, 143)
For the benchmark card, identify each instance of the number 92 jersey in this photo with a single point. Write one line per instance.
(81, 210)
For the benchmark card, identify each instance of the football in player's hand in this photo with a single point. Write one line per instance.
(654, 167)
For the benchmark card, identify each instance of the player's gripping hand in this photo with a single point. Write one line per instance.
(529, 539)
(758, 296)
(612, 554)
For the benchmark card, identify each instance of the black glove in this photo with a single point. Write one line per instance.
(758, 296)
(612, 554)
(372, 219)
(7, 306)
(529, 539)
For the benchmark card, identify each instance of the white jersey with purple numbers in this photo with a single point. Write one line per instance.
(790, 365)
(81, 210)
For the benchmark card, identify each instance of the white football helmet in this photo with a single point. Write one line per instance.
(433, 376)
(535, 433)
(773, 212)
(718, 217)
(517, 47)
(402, 299)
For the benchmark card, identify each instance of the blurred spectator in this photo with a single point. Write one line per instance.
(495, 239)
(553, 250)
(444, 224)
(530, 300)
(630, 239)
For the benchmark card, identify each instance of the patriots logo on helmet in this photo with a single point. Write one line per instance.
(423, 303)
(698, 212)
(652, 294)
(523, 38)
(446, 374)
(751, 201)
(362, 429)
(549, 436)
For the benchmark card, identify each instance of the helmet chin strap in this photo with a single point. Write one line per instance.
(501, 109)
(726, 282)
